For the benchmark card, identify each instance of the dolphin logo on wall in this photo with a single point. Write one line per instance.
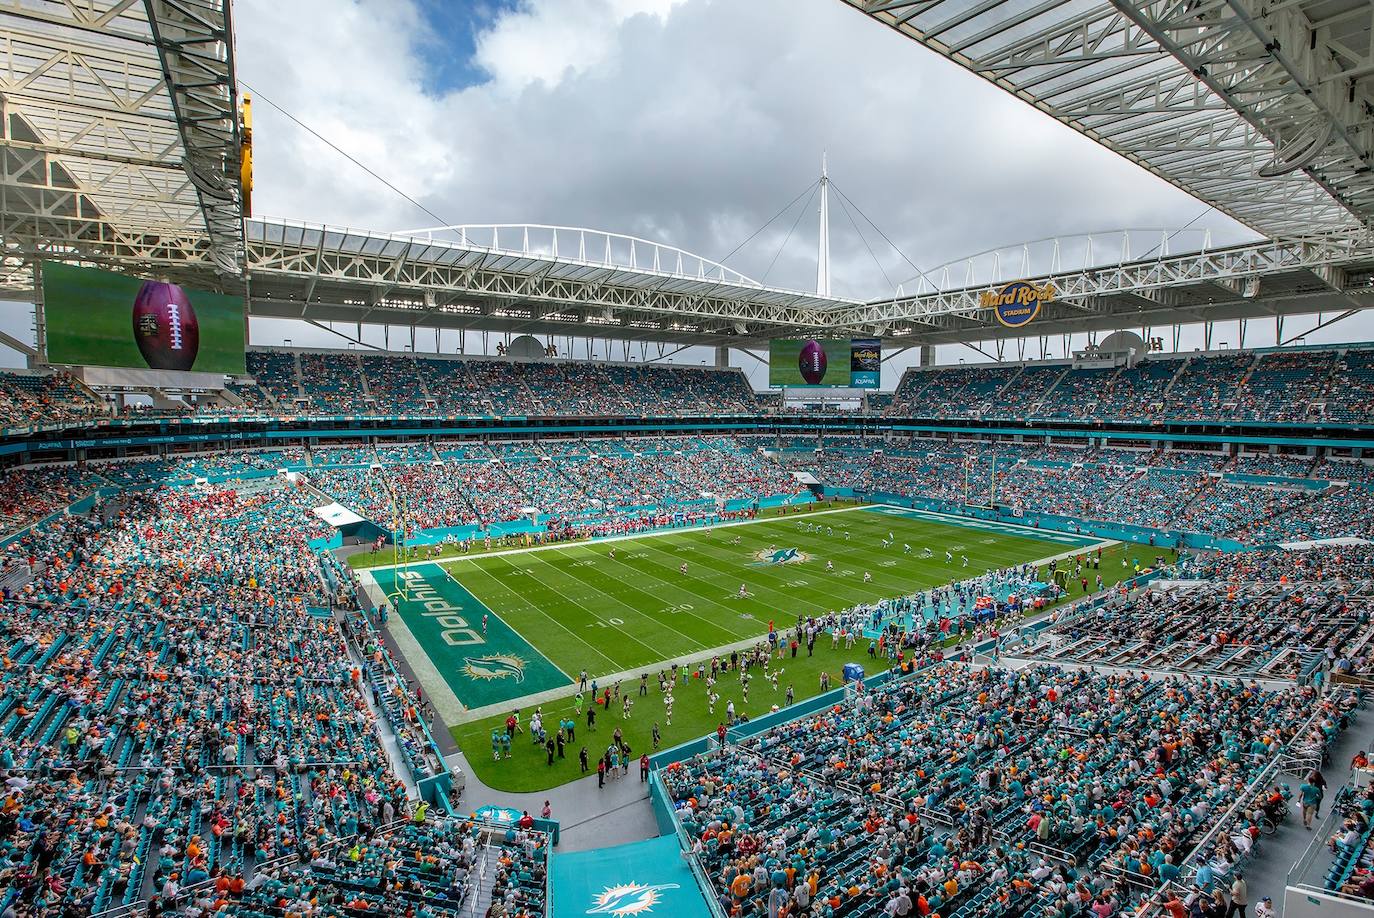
(628, 899)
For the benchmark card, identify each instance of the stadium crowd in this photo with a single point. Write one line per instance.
(966, 792)
(172, 705)
(1254, 499)
(571, 482)
(347, 383)
(1245, 616)
(1277, 386)
(31, 399)
(420, 870)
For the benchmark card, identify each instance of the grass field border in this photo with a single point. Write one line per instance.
(704, 581)
(454, 713)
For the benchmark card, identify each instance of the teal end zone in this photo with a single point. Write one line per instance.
(647, 878)
(1067, 540)
(1053, 523)
(446, 620)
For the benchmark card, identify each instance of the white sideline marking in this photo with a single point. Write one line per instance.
(583, 543)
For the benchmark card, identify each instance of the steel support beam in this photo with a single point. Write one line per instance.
(194, 40)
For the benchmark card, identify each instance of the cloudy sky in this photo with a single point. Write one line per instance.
(690, 122)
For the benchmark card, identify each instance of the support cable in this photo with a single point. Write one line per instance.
(864, 239)
(765, 226)
(878, 230)
(345, 154)
(801, 213)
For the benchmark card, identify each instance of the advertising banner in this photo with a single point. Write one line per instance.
(825, 362)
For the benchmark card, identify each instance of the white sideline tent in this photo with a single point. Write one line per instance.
(338, 516)
(1318, 543)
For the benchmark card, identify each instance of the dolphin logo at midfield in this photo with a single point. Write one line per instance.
(782, 556)
(628, 899)
(495, 666)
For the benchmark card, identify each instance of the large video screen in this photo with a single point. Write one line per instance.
(103, 319)
(817, 362)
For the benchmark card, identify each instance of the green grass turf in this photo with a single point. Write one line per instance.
(572, 622)
(586, 610)
(392, 555)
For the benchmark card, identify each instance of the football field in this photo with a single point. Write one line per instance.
(618, 605)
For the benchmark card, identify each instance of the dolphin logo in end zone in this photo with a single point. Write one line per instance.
(628, 899)
(495, 666)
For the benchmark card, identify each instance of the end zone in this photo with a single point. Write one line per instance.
(451, 639)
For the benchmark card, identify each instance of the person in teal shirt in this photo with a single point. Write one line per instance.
(1310, 797)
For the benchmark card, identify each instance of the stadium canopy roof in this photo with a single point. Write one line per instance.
(121, 141)
(121, 147)
(1260, 108)
(521, 281)
(534, 279)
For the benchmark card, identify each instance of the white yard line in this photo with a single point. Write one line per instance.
(639, 613)
(508, 624)
(711, 623)
(568, 599)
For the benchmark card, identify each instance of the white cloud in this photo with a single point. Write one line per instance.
(546, 42)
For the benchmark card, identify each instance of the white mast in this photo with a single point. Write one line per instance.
(823, 249)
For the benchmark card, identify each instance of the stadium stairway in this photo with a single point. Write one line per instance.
(424, 388)
(1332, 373)
(1182, 368)
(300, 377)
(1249, 371)
(1049, 390)
(384, 731)
(1267, 875)
(1009, 383)
(14, 579)
(480, 894)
